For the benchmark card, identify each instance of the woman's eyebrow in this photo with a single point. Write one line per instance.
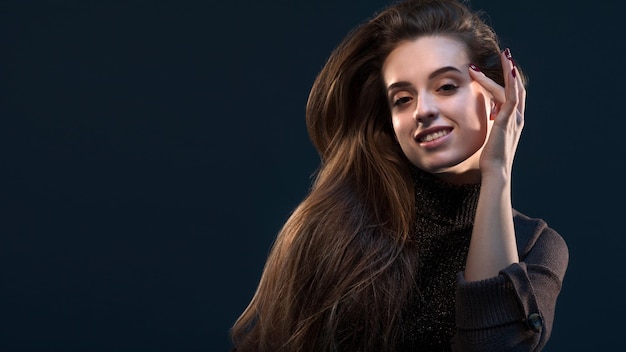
(401, 84)
(434, 74)
(442, 70)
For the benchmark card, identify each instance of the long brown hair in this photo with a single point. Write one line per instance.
(342, 268)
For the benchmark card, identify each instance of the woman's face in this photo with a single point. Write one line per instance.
(440, 115)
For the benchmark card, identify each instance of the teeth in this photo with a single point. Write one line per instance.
(433, 136)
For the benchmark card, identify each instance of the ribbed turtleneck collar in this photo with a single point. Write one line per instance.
(441, 206)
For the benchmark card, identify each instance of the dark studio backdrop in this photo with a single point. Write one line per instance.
(151, 150)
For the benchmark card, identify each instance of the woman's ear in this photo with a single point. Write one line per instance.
(494, 111)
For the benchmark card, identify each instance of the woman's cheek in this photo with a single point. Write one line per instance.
(397, 127)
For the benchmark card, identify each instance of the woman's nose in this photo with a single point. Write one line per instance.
(426, 108)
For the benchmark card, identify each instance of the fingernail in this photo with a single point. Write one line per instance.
(507, 53)
(514, 72)
(473, 67)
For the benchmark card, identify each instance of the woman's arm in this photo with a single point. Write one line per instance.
(492, 247)
(515, 310)
(506, 297)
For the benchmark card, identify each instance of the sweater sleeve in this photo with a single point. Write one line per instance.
(514, 311)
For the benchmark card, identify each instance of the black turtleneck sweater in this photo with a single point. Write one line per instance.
(447, 312)
(513, 311)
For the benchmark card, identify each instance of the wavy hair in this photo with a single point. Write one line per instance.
(342, 268)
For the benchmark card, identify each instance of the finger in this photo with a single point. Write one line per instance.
(516, 81)
(511, 88)
(521, 105)
(521, 90)
(496, 90)
(521, 99)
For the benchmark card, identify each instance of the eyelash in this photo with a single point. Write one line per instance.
(444, 88)
(402, 100)
(449, 87)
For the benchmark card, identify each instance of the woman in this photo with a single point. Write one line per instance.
(408, 240)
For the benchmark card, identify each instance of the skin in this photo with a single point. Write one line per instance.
(458, 124)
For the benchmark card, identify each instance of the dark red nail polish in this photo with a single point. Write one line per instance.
(473, 67)
(514, 72)
(507, 53)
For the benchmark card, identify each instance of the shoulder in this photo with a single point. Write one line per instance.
(533, 232)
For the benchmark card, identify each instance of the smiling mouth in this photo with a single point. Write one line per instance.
(432, 136)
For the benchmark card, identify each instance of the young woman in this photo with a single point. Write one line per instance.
(408, 240)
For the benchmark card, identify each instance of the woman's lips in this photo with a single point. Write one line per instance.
(433, 137)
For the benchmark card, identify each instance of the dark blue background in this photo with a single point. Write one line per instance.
(151, 150)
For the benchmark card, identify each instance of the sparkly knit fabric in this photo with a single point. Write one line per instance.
(445, 216)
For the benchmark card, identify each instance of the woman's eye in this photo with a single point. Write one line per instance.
(448, 87)
(402, 100)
